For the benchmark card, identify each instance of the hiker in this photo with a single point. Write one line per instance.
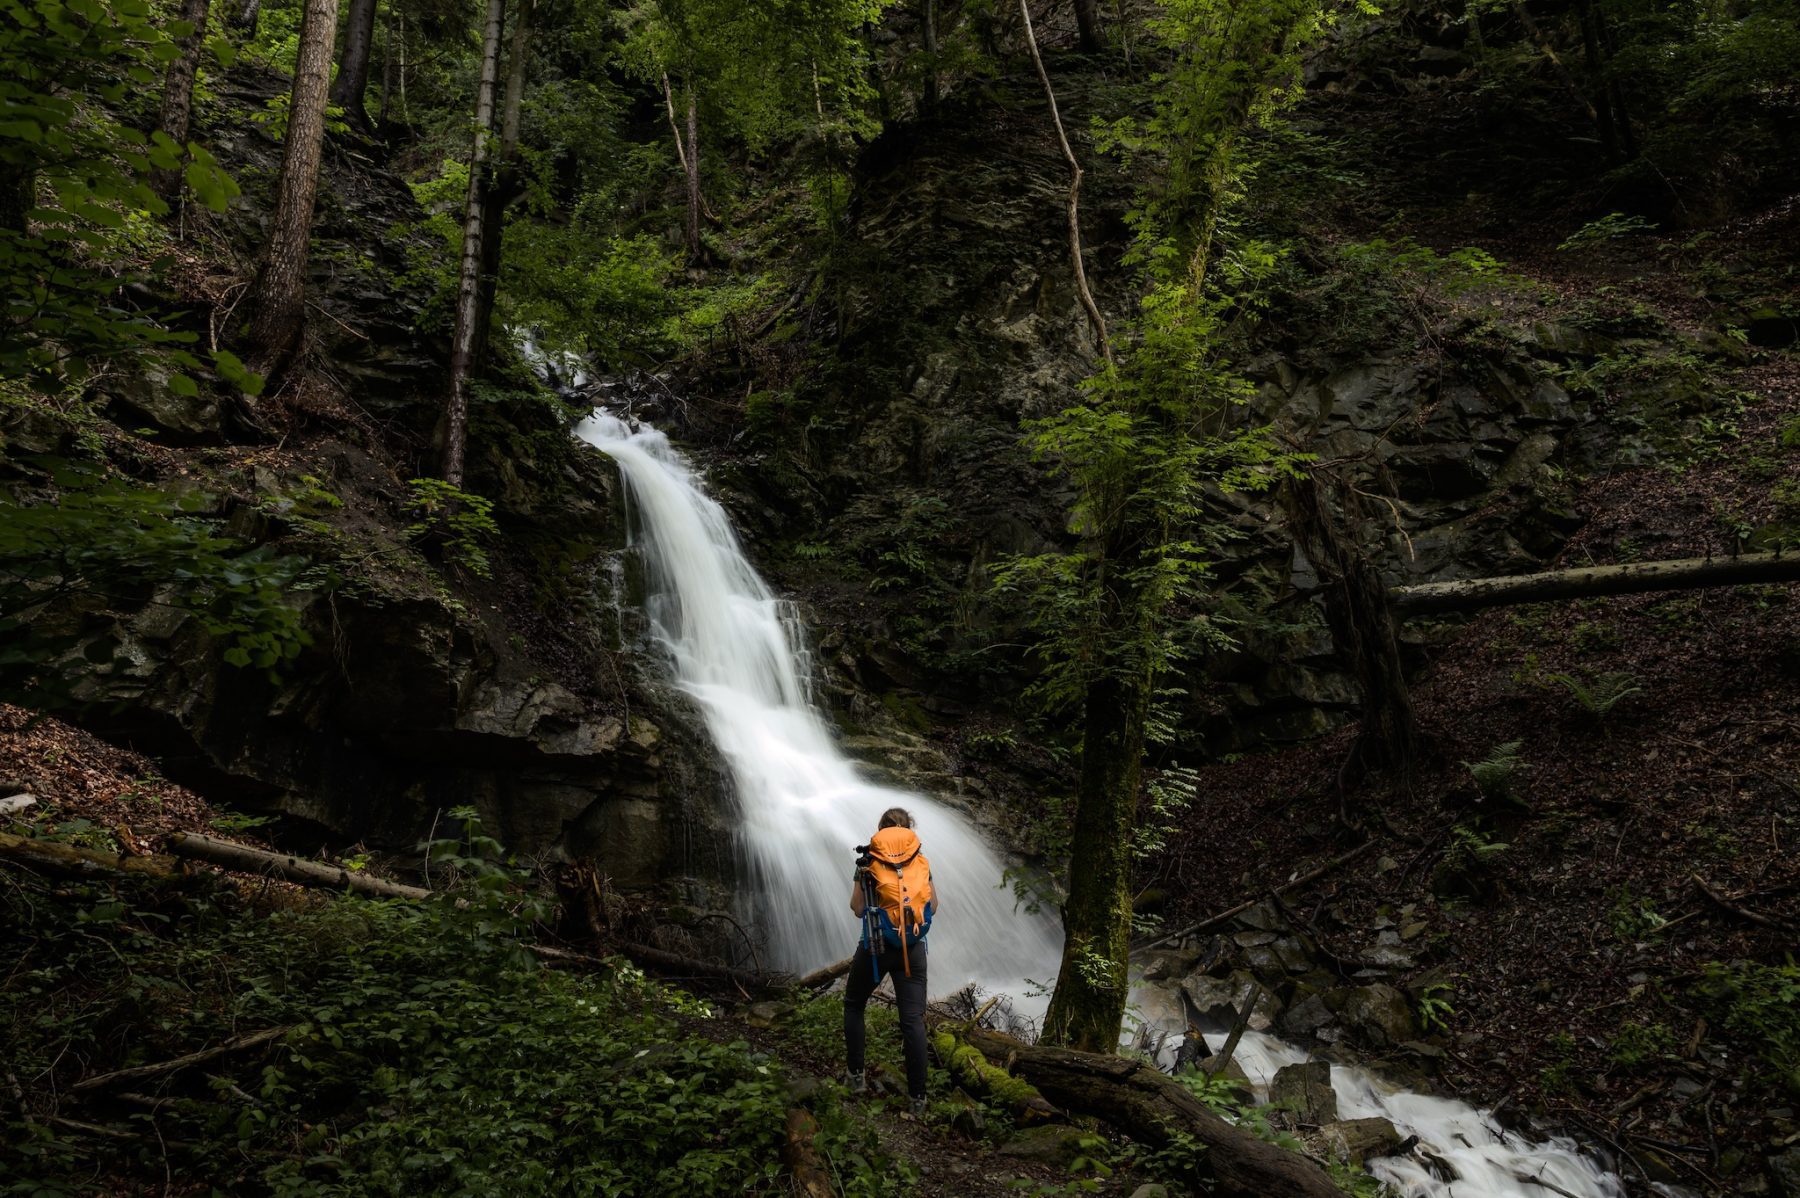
(892, 894)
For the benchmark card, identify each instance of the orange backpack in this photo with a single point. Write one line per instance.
(897, 889)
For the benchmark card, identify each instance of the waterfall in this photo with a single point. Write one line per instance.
(802, 806)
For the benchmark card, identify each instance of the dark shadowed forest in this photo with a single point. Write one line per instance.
(1286, 513)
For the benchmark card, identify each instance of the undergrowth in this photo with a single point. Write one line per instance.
(426, 1052)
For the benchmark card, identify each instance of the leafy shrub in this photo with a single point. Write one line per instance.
(1761, 1003)
(1607, 228)
(1496, 774)
(1637, 1044)
(460, 521)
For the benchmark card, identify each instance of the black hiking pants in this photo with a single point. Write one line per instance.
(909, 992)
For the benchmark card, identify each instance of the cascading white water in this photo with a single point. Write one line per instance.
(803, 805)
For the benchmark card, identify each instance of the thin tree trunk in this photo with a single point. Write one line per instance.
(1752, 569)
(1075, 174)
(1596, 69)
(1560, 68)
(1091, 986)
(693, 175)
(353, 68)
(279, 293)
(929, 22)
(17, 193)
(507, 185)
(1087, 25)
(387, 70)
(178, 93)
(244, 19)
(462, 349)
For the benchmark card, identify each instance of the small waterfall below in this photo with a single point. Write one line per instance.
(802, 804)
(734, 647)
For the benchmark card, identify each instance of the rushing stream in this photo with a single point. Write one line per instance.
(803, 805)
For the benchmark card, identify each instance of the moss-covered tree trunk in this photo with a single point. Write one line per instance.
(1091, 986)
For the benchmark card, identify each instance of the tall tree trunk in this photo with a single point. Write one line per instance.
(17, 192)
(178, 93)
(353, 68)
(693, 175)
(507, 185)
(1088, 1006)
(387, 70)
(244, 19)
(462, 351)
(1604, 116)
(929, 23)
(279, 293)
(1087, 25)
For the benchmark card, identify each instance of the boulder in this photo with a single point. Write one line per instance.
(1306, 1090)
(1217, 1001)
(1379, 1015)
(1357, 1140)
(1307, 1017)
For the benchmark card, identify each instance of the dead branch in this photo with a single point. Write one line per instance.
(137, 1072)
(1214, 920)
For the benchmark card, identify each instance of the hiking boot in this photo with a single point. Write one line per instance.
(856, 1083)
(918, 1108)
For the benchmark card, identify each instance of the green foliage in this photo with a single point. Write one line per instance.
(1632, 918)
(75, 189)
(1761, 1004)
(427, 1052)
(1636, 1044)
(1170, 792)
(1607, 228)
(1496, 774)
(462, 522)
(1599, 694)
(1434, 1006)
(100, 545)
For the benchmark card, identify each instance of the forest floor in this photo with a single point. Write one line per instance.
(1645, 825)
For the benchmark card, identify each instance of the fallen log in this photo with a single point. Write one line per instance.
(972, 1072)
(1152, 1107)
(69, 860)
(242, 858)
(1468, 594)
(136, 1072)
(801, 1156)
(825, 975)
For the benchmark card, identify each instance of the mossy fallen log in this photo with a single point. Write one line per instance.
(1434, 598)
(975, 1073)
(1154, 1108)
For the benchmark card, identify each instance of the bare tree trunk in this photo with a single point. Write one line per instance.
(929, 22)
(456, 428)
(178, 93)
(507, 185)
(387, 70)
(1362, 627)
(1560, 68)
(1087, 25)
(353, 67)
(1081, 284)
(1751, 569)
(244, 19)
(693, 175)
(279, 293)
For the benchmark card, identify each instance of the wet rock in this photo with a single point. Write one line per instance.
(1217, 1001)
(1151, 1189)
(148, 397)
(1357, 1140)
(1306, 1090)
(1253, 939)
(1379, 1015)
(1163, 964)
(1307, 1016)
(1264, 917)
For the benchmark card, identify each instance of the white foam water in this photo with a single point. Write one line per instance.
(803, 805)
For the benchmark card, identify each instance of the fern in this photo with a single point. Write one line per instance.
(1494, 774)
(1598, 695)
